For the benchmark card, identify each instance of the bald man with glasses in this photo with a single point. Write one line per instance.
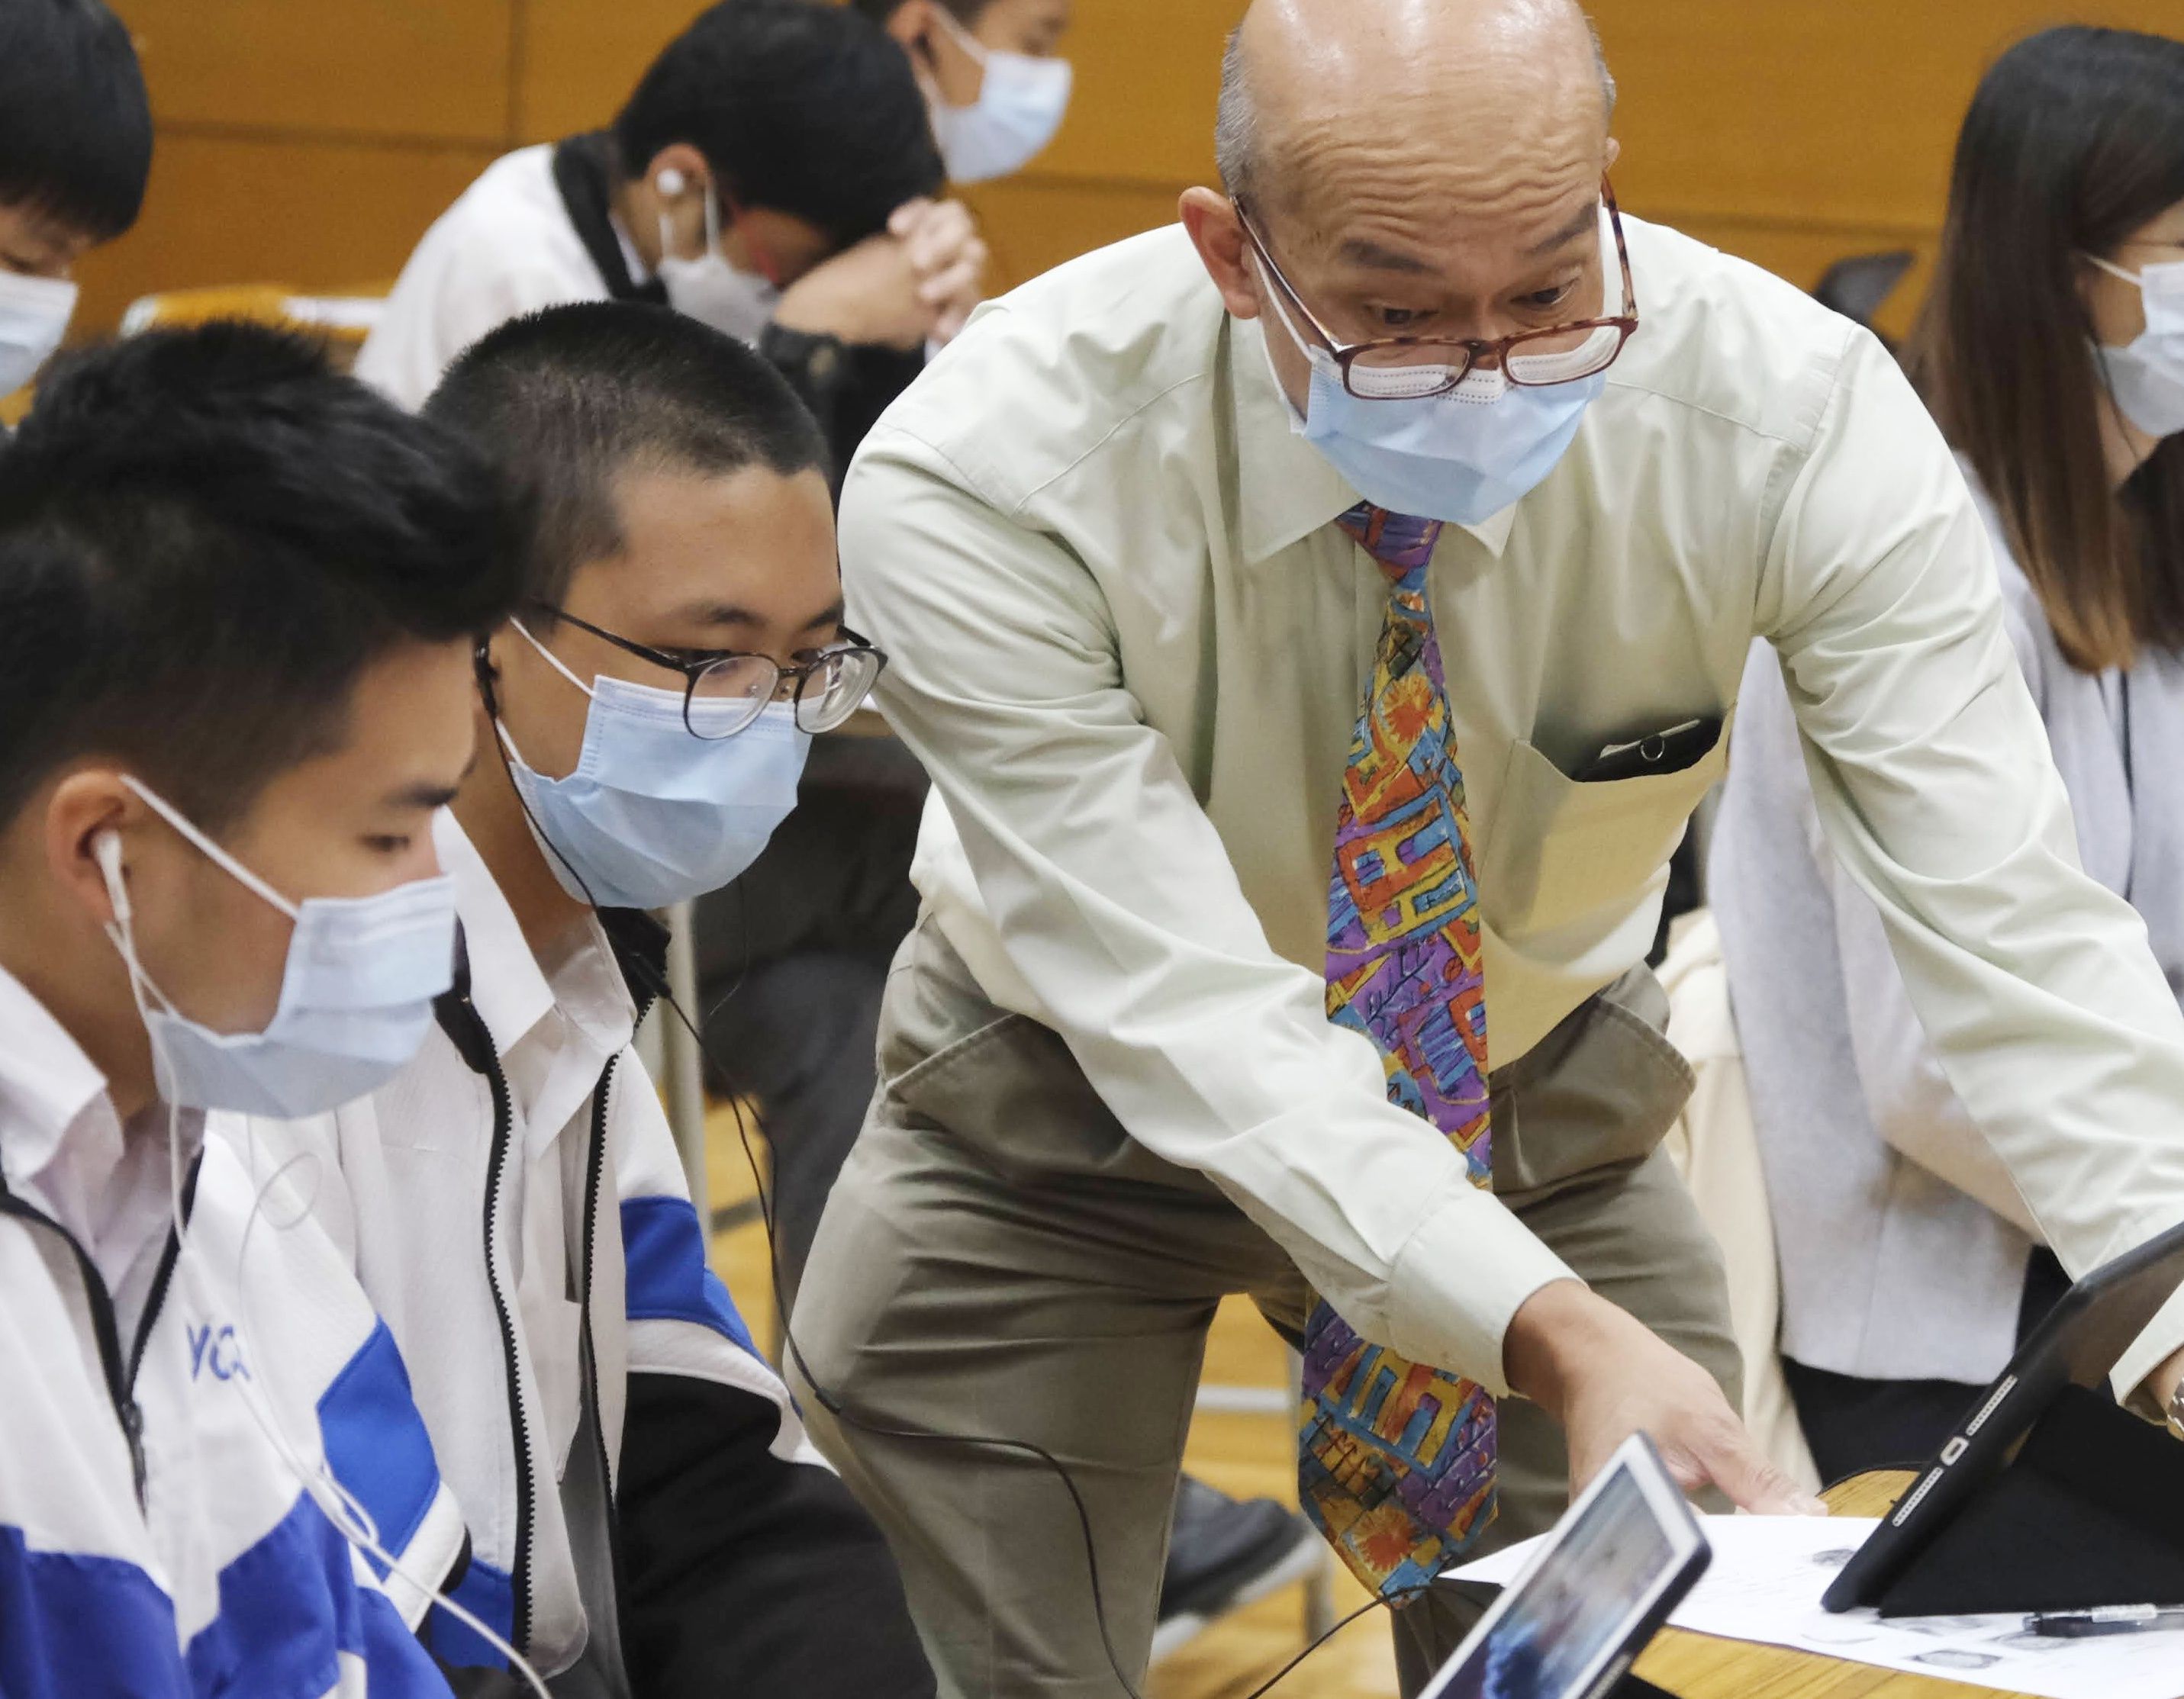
(1320, 622)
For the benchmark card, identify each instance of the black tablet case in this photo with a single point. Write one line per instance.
(2090, 1512)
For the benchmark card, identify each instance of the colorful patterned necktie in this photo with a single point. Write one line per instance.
(1396, 1459)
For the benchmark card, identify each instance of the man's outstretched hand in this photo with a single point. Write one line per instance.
(1604, 1376)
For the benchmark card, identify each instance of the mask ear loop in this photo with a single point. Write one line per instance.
(2134, 278)
(953, 28)
(211, 851)
(504, 746)
(551, 660)
(121, 932)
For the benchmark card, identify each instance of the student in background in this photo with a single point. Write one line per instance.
(237, 599)
(75, 148)
(772, 175)
(993, 73)
(647, 1517)
(2052, 351)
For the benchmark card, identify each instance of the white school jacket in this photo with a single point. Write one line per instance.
(495, 1204)
(165, 1406)
(506, 246)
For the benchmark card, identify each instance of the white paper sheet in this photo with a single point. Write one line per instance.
(1765, 1584)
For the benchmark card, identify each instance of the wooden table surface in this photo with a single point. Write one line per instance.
(1697, 1665)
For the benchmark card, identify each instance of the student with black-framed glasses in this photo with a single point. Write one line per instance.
(646, 1517)
(727, 690)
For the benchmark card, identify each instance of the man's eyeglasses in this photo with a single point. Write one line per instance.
(724, 691)
(1417, 367)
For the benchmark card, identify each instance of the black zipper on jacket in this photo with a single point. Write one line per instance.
(503, 1127)
(596, 1166)
(466, 1030)
(120, 1375)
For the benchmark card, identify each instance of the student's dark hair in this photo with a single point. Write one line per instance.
(2074, 140)
(567, 399)
(801, 108)
(75, 127)
(206, 536)
(965, 11)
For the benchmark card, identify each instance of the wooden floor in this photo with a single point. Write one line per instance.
(1249, 1455)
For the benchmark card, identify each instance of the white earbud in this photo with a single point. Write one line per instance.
(106, 849)
(672, 182)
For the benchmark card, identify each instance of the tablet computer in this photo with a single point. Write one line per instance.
(2078, 1344)
(1573, 1623)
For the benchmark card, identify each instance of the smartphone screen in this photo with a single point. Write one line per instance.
(1560, 1627)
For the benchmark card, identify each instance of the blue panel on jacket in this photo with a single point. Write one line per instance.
(376, 1444)
(669, 1278)
(288, 1607)
(71, 1625)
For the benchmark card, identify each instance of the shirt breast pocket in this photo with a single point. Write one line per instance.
(1560, 849)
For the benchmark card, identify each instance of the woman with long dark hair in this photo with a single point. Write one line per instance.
(2051, 351)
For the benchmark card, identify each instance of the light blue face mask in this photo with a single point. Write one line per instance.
(653, 816)
(1462, 457)
(356, 993)
(2146, 376)
(1022, 101)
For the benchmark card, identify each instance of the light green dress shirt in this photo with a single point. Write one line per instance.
(1130, 646)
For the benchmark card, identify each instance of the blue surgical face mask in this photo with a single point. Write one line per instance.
(1021, 105)
(1462, 457)
(356, 994)
(2146, 375)
(653, 816)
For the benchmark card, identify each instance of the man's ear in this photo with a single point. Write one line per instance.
(1217, 232)
(1609, 155)
(87, 807)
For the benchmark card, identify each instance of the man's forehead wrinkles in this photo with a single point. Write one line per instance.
(1388, 218)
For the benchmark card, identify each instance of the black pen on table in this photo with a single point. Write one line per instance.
(2106, 1620)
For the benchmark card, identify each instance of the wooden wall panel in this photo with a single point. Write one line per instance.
(436, 69)
(1148, 77)
(331, 215)
(1844, 111)
(1034, 227)
(581, 58)
(294, 132)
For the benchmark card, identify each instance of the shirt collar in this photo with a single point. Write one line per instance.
(46, 1083)
(510, 990)
(1287, 488)
(639, 272)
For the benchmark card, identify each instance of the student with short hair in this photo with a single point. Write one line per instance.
(771, 175)
(75, 149)
(237, 596)
(647, 1516)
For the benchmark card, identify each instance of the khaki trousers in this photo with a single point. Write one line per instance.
(1001, 1259)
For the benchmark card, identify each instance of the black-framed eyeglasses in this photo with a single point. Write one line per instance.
(1418, 368)
(726, 690)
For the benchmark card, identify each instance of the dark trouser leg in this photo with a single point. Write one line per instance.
(1855, 1425)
